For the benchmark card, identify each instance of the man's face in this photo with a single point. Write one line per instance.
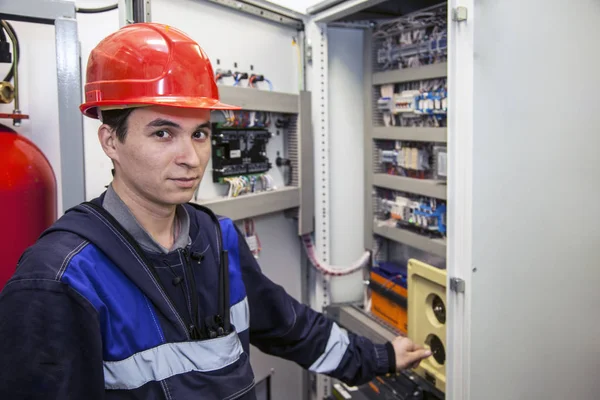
(165, 153)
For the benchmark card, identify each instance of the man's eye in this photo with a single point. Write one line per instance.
(200, 135)
(162, 134)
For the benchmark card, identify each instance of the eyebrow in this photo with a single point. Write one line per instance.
(161, 122)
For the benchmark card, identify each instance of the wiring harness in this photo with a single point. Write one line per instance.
(245, 119)
(412, 40)
(238, 78)
(239, 185)
(327, 269)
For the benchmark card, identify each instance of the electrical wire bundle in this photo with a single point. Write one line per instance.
(245, 119)
(412, 40)
(238, 77)
(327, 269)
(239, 185)
(259, 78)
(268, 183)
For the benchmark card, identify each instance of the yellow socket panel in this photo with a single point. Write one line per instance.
(427, 318)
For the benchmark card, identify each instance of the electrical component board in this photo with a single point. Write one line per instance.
(239, 151)
(414, 160)
(415, 101)
(422, 103)
(427, 216)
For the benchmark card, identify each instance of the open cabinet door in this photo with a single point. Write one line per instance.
(524, 183)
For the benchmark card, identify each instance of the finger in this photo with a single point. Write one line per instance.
(416, 347)
(412, 359)
(416, 365)
(418, 355)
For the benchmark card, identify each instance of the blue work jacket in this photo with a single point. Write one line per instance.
(90, 315)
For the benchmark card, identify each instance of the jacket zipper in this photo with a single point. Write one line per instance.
(192, 295)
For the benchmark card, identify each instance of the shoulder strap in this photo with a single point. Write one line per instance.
(223, 319)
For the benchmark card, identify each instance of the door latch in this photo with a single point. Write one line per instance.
(457, 285)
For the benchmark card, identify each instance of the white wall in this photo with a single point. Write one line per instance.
(535, 330)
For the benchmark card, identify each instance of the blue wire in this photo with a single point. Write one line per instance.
(270, 85)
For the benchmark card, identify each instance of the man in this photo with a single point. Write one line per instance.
(139, 294)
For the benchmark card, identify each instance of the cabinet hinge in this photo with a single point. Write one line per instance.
(459, 14)
(457, 285)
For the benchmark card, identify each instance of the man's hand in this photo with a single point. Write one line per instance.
(408, 354)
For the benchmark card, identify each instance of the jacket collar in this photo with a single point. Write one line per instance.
(119, 210)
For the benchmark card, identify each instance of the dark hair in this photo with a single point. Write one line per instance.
(117, 120)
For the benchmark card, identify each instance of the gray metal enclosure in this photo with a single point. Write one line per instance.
(534, 332)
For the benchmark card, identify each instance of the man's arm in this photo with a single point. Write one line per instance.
(50, 343)
(283, 327)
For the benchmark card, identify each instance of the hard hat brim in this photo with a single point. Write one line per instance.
(90, 109)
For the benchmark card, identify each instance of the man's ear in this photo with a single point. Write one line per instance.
(108, 141)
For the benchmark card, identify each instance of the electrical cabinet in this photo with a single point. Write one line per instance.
(494, 167)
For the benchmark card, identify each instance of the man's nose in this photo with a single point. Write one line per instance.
(188, 154)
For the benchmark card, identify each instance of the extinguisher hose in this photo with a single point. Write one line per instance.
(14, 71)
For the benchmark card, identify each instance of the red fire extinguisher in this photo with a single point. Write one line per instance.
(28, 199)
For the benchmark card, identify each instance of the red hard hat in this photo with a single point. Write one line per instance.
(149, 64)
